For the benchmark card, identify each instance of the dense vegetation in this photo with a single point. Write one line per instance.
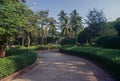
(15, 60)
(108, 58)
(109, 42)
(20, 26)
(68, 41)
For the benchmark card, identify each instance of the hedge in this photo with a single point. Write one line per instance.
(15, 62)
(68, 41)
(109, 42)
(108, 58)
(44, 47)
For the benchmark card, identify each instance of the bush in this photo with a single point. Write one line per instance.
(16, 61)
(52, 39)
(48, 47)
(83, 37)
(109, 42)
(68, 41)
(44, 47)
(109, 58)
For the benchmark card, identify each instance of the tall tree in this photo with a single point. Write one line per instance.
(52, 26)
(43, 20)
(32, 27)
(75, 22)
(95, 20)
(64, 24)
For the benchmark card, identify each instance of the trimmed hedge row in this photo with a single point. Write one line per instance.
(109, 42)
(109, 58)
(45, 47)
(16, 61)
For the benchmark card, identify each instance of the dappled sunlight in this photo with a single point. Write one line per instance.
(57, 55)
(92, 78)
(90, 73)
(69, 64)
(58, 63)
(58, 67)
(80, 62)
(74, 67)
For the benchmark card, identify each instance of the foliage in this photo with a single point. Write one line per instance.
(109, 42)
(12, 16)
(75, 22)
(84, 37)
(15, 61)
(52, 26)
(68, 41)
(52, 39)
(95, 20)
(107, 29)
(44, 47)
(64, 24)
(109, 58)
(97, 27)
(116, 24)
(48, 25)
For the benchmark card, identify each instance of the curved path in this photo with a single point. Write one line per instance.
(55, 66)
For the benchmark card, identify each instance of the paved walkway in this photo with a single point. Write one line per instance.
(56, 66)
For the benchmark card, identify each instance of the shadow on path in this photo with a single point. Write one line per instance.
(55, 66)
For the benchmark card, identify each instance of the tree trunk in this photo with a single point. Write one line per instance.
(3, 51)
(23, 40)
(42, 40)
(28, 41)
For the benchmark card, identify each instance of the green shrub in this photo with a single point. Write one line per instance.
(48, 47)
(16, 61)
(52, 39)
(15, 51)
(109, 58)
(68, 41)
(83, 37)
(109, 42)
(44, 47)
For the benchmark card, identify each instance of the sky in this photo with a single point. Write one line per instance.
(110, 7)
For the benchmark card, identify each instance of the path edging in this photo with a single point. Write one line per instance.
(16, 74)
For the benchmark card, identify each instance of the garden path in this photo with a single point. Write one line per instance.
(55, 66)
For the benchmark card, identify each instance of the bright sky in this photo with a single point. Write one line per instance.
(111, 8)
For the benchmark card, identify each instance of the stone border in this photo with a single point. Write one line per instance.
(16, 74)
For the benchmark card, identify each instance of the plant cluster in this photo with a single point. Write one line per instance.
(68, 41)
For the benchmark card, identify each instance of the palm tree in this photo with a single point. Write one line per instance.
(75, 22)
(66, 31)
(52, 26)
